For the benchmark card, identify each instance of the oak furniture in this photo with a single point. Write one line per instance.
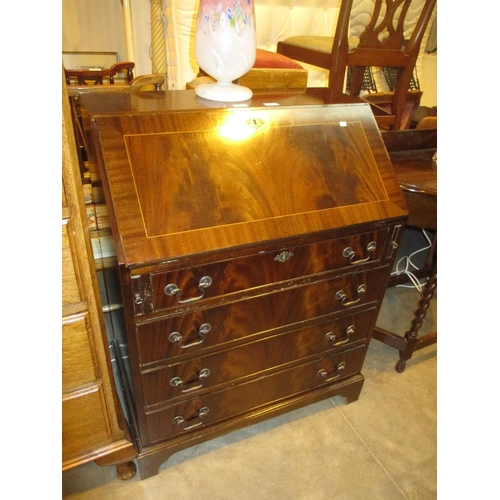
(254, 247)
(92, 424)
(383, 43)
(411, 153)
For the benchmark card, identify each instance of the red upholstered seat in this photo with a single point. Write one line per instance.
(267, 59)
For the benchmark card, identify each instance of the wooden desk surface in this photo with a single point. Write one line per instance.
(295, 167)
(411, 153)
(415, 170)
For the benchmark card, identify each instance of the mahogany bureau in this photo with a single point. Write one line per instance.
(254, 246)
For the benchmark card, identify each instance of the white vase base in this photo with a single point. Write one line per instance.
(223, 92)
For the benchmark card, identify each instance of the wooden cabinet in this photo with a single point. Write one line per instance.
(91, 425)
(254, 248)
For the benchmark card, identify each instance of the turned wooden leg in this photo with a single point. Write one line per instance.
(411, 336)
(126, 471)
(122, 459)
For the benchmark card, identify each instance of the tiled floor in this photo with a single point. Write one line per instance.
(381, 447)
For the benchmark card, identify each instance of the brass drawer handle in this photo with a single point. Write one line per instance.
(349, 253)
(173, 289)
(202, 334)
(342, 297)
(325, 375)
(178, 382)
(283, 256)
(197, 421)
(344, 339)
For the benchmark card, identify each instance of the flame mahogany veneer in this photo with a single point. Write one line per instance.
(254, 245)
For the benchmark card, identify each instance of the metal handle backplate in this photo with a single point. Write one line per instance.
(342, 297)
(173, 289)
(202, 335)
(193, 422)
(326, 376)
(191, 386)
(350, 254)
(342, 340)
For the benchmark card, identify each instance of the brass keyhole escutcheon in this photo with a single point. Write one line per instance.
(255, 122)
(283, 256)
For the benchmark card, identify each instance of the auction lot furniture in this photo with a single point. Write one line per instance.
(254, 247)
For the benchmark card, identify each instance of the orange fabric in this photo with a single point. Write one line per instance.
(266, 59)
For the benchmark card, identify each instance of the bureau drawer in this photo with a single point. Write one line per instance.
(183, 287)
(190, 333)
(237, 399)
(255, 358)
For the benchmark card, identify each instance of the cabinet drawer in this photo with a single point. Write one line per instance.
(256, 358)
(190, 333)
(71, 292)
(237, 399)
(84, 423)
(194, 285)
(77, 363)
